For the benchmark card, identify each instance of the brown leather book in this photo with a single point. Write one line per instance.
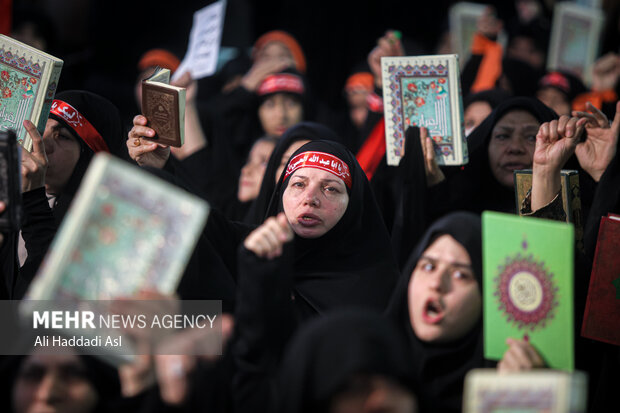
(163, 105)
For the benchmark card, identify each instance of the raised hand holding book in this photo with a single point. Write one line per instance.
(424, 91)
(163, 105)
(528, 286)
(28, 82)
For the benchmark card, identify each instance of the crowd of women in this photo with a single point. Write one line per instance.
(347, 285)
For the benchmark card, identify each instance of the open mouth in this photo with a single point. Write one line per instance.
(308, 220)
(433, 311)
(515, 166)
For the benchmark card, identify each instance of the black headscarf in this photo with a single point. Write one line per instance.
(439, 369)
(521, 76)
(473, 186)
(353, 263)
(105, 118)
(606, 199)
(302, 131)
(492, 96)
(327, 352)
(103, 377)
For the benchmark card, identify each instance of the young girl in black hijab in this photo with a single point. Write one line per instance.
(438, 304)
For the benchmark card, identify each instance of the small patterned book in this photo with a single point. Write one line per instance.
(163, 105)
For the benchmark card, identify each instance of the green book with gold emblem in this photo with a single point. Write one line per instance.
(528, 286)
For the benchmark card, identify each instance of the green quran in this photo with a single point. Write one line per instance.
(528, 286)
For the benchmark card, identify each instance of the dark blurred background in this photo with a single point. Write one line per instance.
(101, 41)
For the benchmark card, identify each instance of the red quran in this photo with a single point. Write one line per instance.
(602, 314)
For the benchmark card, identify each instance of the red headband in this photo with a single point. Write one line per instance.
(80, 125)
(159, 57)
(281, 82)
(320, 160)
(555, 79)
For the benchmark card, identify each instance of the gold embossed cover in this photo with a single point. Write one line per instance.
(164, 107)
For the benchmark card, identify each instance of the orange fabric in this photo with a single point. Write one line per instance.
(596, 98)
(288, 41)
(373, 150)
(361, 80)
(6, 11)
(159, 57)
(491, 66)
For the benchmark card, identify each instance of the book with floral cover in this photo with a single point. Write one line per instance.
(424, 91)
(536, 391)
(126, 230)
(528, 286)
(28, 82)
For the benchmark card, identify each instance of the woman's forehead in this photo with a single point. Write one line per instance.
(517, 117)
(445, 247)
(316, 174)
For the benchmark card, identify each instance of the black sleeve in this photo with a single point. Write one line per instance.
(410, 216)
(38, 225)
(225, 236)
(38, 230)
(264, 321)
(238, 125)
(9, 264)
(469, 73)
